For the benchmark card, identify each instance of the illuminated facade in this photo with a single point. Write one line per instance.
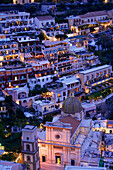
(45, 107)
(105, 126)
(95, 76)
(22, 1)
(68, 65)
(56, 145)
(71, 83)
(88, 59)
(14, 22)
(90, 18)
(28, 45)
(49, 26)
(8, 50)
(52, 49)
(11, 76)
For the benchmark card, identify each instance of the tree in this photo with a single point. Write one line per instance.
(92, 29)
(19, 113)
(48, 118)
(8, 99)
(42, 36)
(106, 41)
(2, 134)
(8, 157)
(6, 1)
(87, 114)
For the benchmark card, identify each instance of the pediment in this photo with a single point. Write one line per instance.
(61, 124)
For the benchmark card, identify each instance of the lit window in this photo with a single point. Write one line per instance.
(59, 95)
(9, 84)
(58, 159)
(15, 78)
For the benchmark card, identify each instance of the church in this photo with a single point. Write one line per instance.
(61, 142)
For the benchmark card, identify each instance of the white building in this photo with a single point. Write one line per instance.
(89, 109)
(20, 95)
(57, 94)
(45, 107)
(44, 21)
(88, 18)
(103, 126)
(40, 81)
(71, 83)
(13, 22)
(52, 49)
(94, 76)
(44, 80)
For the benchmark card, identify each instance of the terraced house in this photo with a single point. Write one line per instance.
(14, 22)
(94, 76)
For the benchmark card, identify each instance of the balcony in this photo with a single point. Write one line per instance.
(98, 81)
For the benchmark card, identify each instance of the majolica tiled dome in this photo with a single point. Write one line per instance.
(72, 105)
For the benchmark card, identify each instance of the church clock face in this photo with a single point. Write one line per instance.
(57, 136)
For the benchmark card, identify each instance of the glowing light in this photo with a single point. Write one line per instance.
(17, 101)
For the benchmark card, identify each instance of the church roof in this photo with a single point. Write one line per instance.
(73, 122)
(72, 105)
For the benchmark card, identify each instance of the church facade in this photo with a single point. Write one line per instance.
(56, 147)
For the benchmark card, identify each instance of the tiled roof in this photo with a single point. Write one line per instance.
(93, 14)
(73, 122)
(43, 18)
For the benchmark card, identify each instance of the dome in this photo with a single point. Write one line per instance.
(72, 105)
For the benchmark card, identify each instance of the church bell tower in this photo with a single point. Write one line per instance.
(30, 149)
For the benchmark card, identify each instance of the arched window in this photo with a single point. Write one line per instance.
(28, 147)
(28, 158)
(24, 101)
